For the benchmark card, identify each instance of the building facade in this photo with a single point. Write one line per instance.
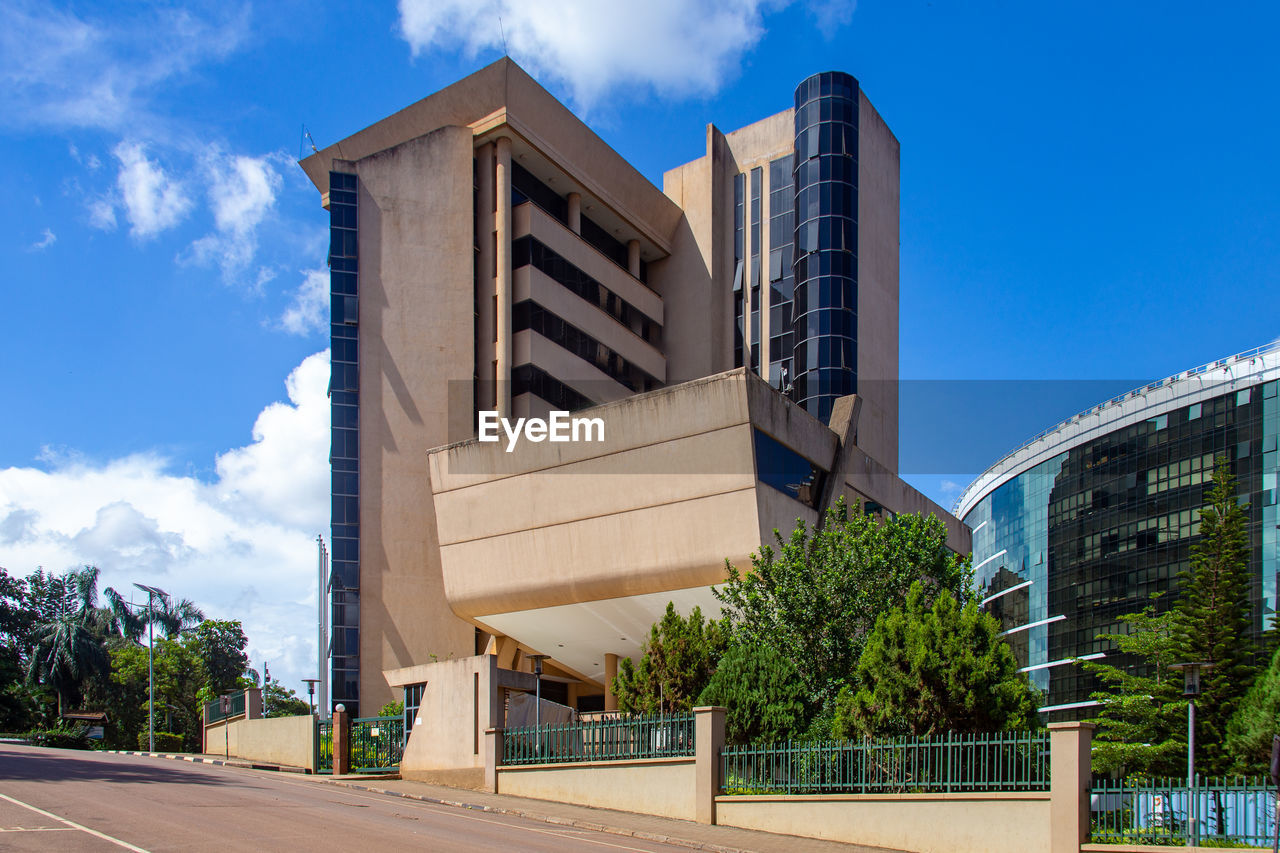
(1089, 520)
(490, 253)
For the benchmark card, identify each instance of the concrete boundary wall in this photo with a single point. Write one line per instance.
(1052, 821)
(289, 741)
(929, 823)
(656, 786)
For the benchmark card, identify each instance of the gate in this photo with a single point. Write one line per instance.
(376, 744)
(324, 746)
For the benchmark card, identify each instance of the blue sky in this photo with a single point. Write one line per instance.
(1089, 192)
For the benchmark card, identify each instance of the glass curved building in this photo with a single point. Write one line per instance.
(1086, 521)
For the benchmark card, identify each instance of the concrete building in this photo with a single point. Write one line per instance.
(1085, 522)
(490, 252)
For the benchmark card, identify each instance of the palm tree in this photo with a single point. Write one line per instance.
(175, 617)
(120, 618)
(68, 644)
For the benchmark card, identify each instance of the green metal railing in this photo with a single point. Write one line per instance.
(1007, 761)
(324, 746)
(213, 710)
(377, 744)
(617, 738)
(1238, 811)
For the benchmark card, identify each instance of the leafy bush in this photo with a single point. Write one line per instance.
(60, 738)
(165, 742)
(763, 692)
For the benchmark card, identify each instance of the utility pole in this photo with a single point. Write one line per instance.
(151, 592)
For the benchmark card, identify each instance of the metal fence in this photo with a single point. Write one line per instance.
(213, 710)
(612, 738)
(1008, 761)
(324, 746)
(1236, 811)
(377, 743)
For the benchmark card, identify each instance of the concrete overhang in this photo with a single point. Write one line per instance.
(502, 99)
(576, 548)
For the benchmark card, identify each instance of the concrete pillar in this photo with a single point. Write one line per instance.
(708, 723)
(253, 703)
(1070, 777)
(503, 281)
(575, 213)
(341, 741)
(492, 758)
(486, 276)
(610, 673)
(633, 258)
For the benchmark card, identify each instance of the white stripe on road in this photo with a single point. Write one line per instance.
(71, 823)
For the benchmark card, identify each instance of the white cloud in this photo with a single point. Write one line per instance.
(46, 240)
(949, 487)
(242, 192)
(242, 546)
(153, 201)
(61, 69)
(102, 214)
(309, 310)
(674, 47)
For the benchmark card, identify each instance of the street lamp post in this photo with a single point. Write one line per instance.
(1191, 689)
(151, 592)
(311, 692)
(537, 700)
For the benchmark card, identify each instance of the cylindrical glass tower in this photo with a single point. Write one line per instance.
(826, 241)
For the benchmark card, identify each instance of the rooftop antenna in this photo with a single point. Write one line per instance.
(306, 138)
(502, 30)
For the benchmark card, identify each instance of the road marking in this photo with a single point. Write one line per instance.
(71, 823)
(37, 829)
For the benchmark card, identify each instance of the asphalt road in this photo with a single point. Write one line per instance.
(68, 800)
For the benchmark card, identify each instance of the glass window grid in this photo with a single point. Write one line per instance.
(781, 270)
(1102, 527)
(824, 211)
(756, 195)
(344, 450)
(739, 302)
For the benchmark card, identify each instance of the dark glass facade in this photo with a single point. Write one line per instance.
(344, 452)
(739, 246)
(782, 282)
(825, 303)
(1067, 547)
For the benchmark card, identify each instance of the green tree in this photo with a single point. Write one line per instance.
(677, 662)
(818, 596)
(1142, 724)
(762, 692)
(1255, 722)
(219, 649)
(173, 617)
(280, 701)
(1214, 622)
(928, 669)
(178, 681)
(17, 705)
(68, 643)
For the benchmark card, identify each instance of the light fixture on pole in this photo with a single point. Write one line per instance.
(1191, 673)
(537, 698)
(151, 592)
(311, 691)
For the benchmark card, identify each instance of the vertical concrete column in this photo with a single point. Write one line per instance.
(492, 758)
(610, 673)
(708, 722)
(633, 258)
(486, 276)
(341, 741)
(253, 703)
(575, 212)
(1070, 774)
(503, 282)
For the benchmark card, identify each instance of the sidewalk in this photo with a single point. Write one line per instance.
(680, 833)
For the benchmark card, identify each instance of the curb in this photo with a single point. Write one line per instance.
(221, 762)
(541, 818)
(545, 818)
